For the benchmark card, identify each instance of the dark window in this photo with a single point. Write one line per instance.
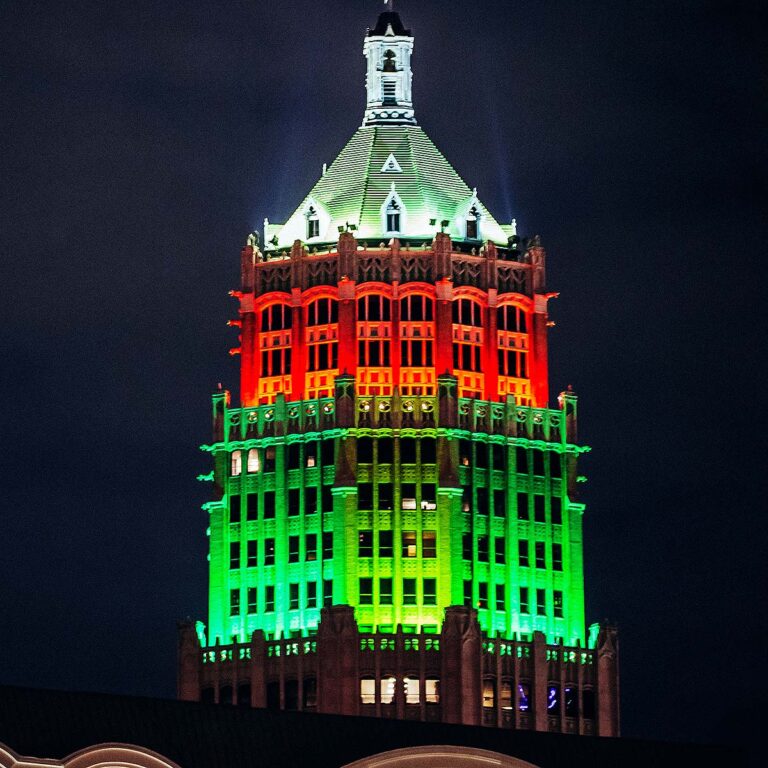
(522, 507)
(541, 602)
(557, 557)
(311, 594)
(385, 591)
(310, 454)
(471, 229)
(538, 462)
(588, 703)
(429, 543)
(408, 450)
(393, 219)
(234, 509)
(556, 510)
(482, 594)
(234, 554)
(500, 551)
(430, 591)
(327, 592)
(366, 591)
(524, 601)
(428, 450)
(365, 495)
(571, 702)
(269, 504)
(539, 514)
(365, 450)
(327, 499)
(269, 551)
(386, 544)
(468, 592)
(291, 694)
(465, 453)
(253, 553)
(293, 597)
(293, 549)
(234, 602)
(500, 503)
(269, 598)
(500, 598)
(409, 591)
(313, 228)
(365, 544)
(498, 455)
(555, 465)
(269, 459)
(252, 506)
(428, 496)
(482, 501)
(386, 496)
(294, 455)
(273, 695)
(327, 457)
(294, 501)
(327, 545)
(481, 455)
(466, 546)
(310, 546)
(522, 460)
(310, 500)
(482, 549)
(310, 692)
(207, 695)
(253, 602)
(557, 603)
(225, 694)
(539, 549)
(385, 450)
(244, 695)
(408, 496)
(522, 553)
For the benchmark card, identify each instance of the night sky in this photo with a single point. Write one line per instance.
(142, 141)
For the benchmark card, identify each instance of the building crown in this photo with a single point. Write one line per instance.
(388, 47)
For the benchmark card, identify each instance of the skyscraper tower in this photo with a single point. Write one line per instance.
(395, 528)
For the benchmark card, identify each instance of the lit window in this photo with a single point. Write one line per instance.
(430, 591)
(553, 699)
(409, 544)
(412, 693)
(432, 691)
(409, 591)
(505, 695)
(523, 697)
(236, 463)
(388, 690)
(489, 693)
(368, 690)
(253, 460)
(429, 544)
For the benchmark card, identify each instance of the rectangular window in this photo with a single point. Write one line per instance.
(408, 496)
(365, 544)
(269, 551)
(327, 499)
(555, 465)
(253, 600)
(294, 501)
(327, 545)
(466, 546)
(500, 550)
(310, 454)
(539, 515)
(482, 594)
(538, 462)
(522, 507)
(468, 592)
(521, 455)
(385, 591)
(386, 544)
(327, 592)
(365, 495)
(293, 458)
(310, 546)
(293, 549)
(522, 553)
(482, 501)
(234, 509)
(269, 504)
(253, 553)
(409, 591)
(234, 554)
(541, 602)
(500, 598)
(311, 594)
(482, 549)
(430, 591)
(428, 496)
(293, 597)
(313, 228)
(252, 506)
(409, 544)
(524, 604)
(556, 510)
(386, 496)
(310, 500)
(328, 446)
(539, 549)
(557, 557)
(269, 459)
(234, 602)
(366, 591)
(499, 503)
(429, 543)
(557, 603)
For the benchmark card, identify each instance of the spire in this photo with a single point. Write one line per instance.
(388, 48)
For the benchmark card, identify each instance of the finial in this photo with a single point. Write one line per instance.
(390, 4)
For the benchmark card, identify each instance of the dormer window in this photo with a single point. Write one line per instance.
(473, 224)
(393, 216)
(313, 224)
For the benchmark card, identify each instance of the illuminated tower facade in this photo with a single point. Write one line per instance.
(395, 528)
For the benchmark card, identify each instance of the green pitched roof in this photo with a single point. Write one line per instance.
(356, 187)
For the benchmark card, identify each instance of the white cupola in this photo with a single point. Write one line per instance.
(388, 48)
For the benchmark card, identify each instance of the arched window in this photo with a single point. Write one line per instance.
(412, 690)
(393, 213)
(275, 351)
(390, 62)
(321, 337)
(417, 339)
(368, 690)
(253, 464)
(236, 463)
(393, 216)
(387, 689)
(374, 341)
(513, 344)
(468, 339)
(472, 224)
